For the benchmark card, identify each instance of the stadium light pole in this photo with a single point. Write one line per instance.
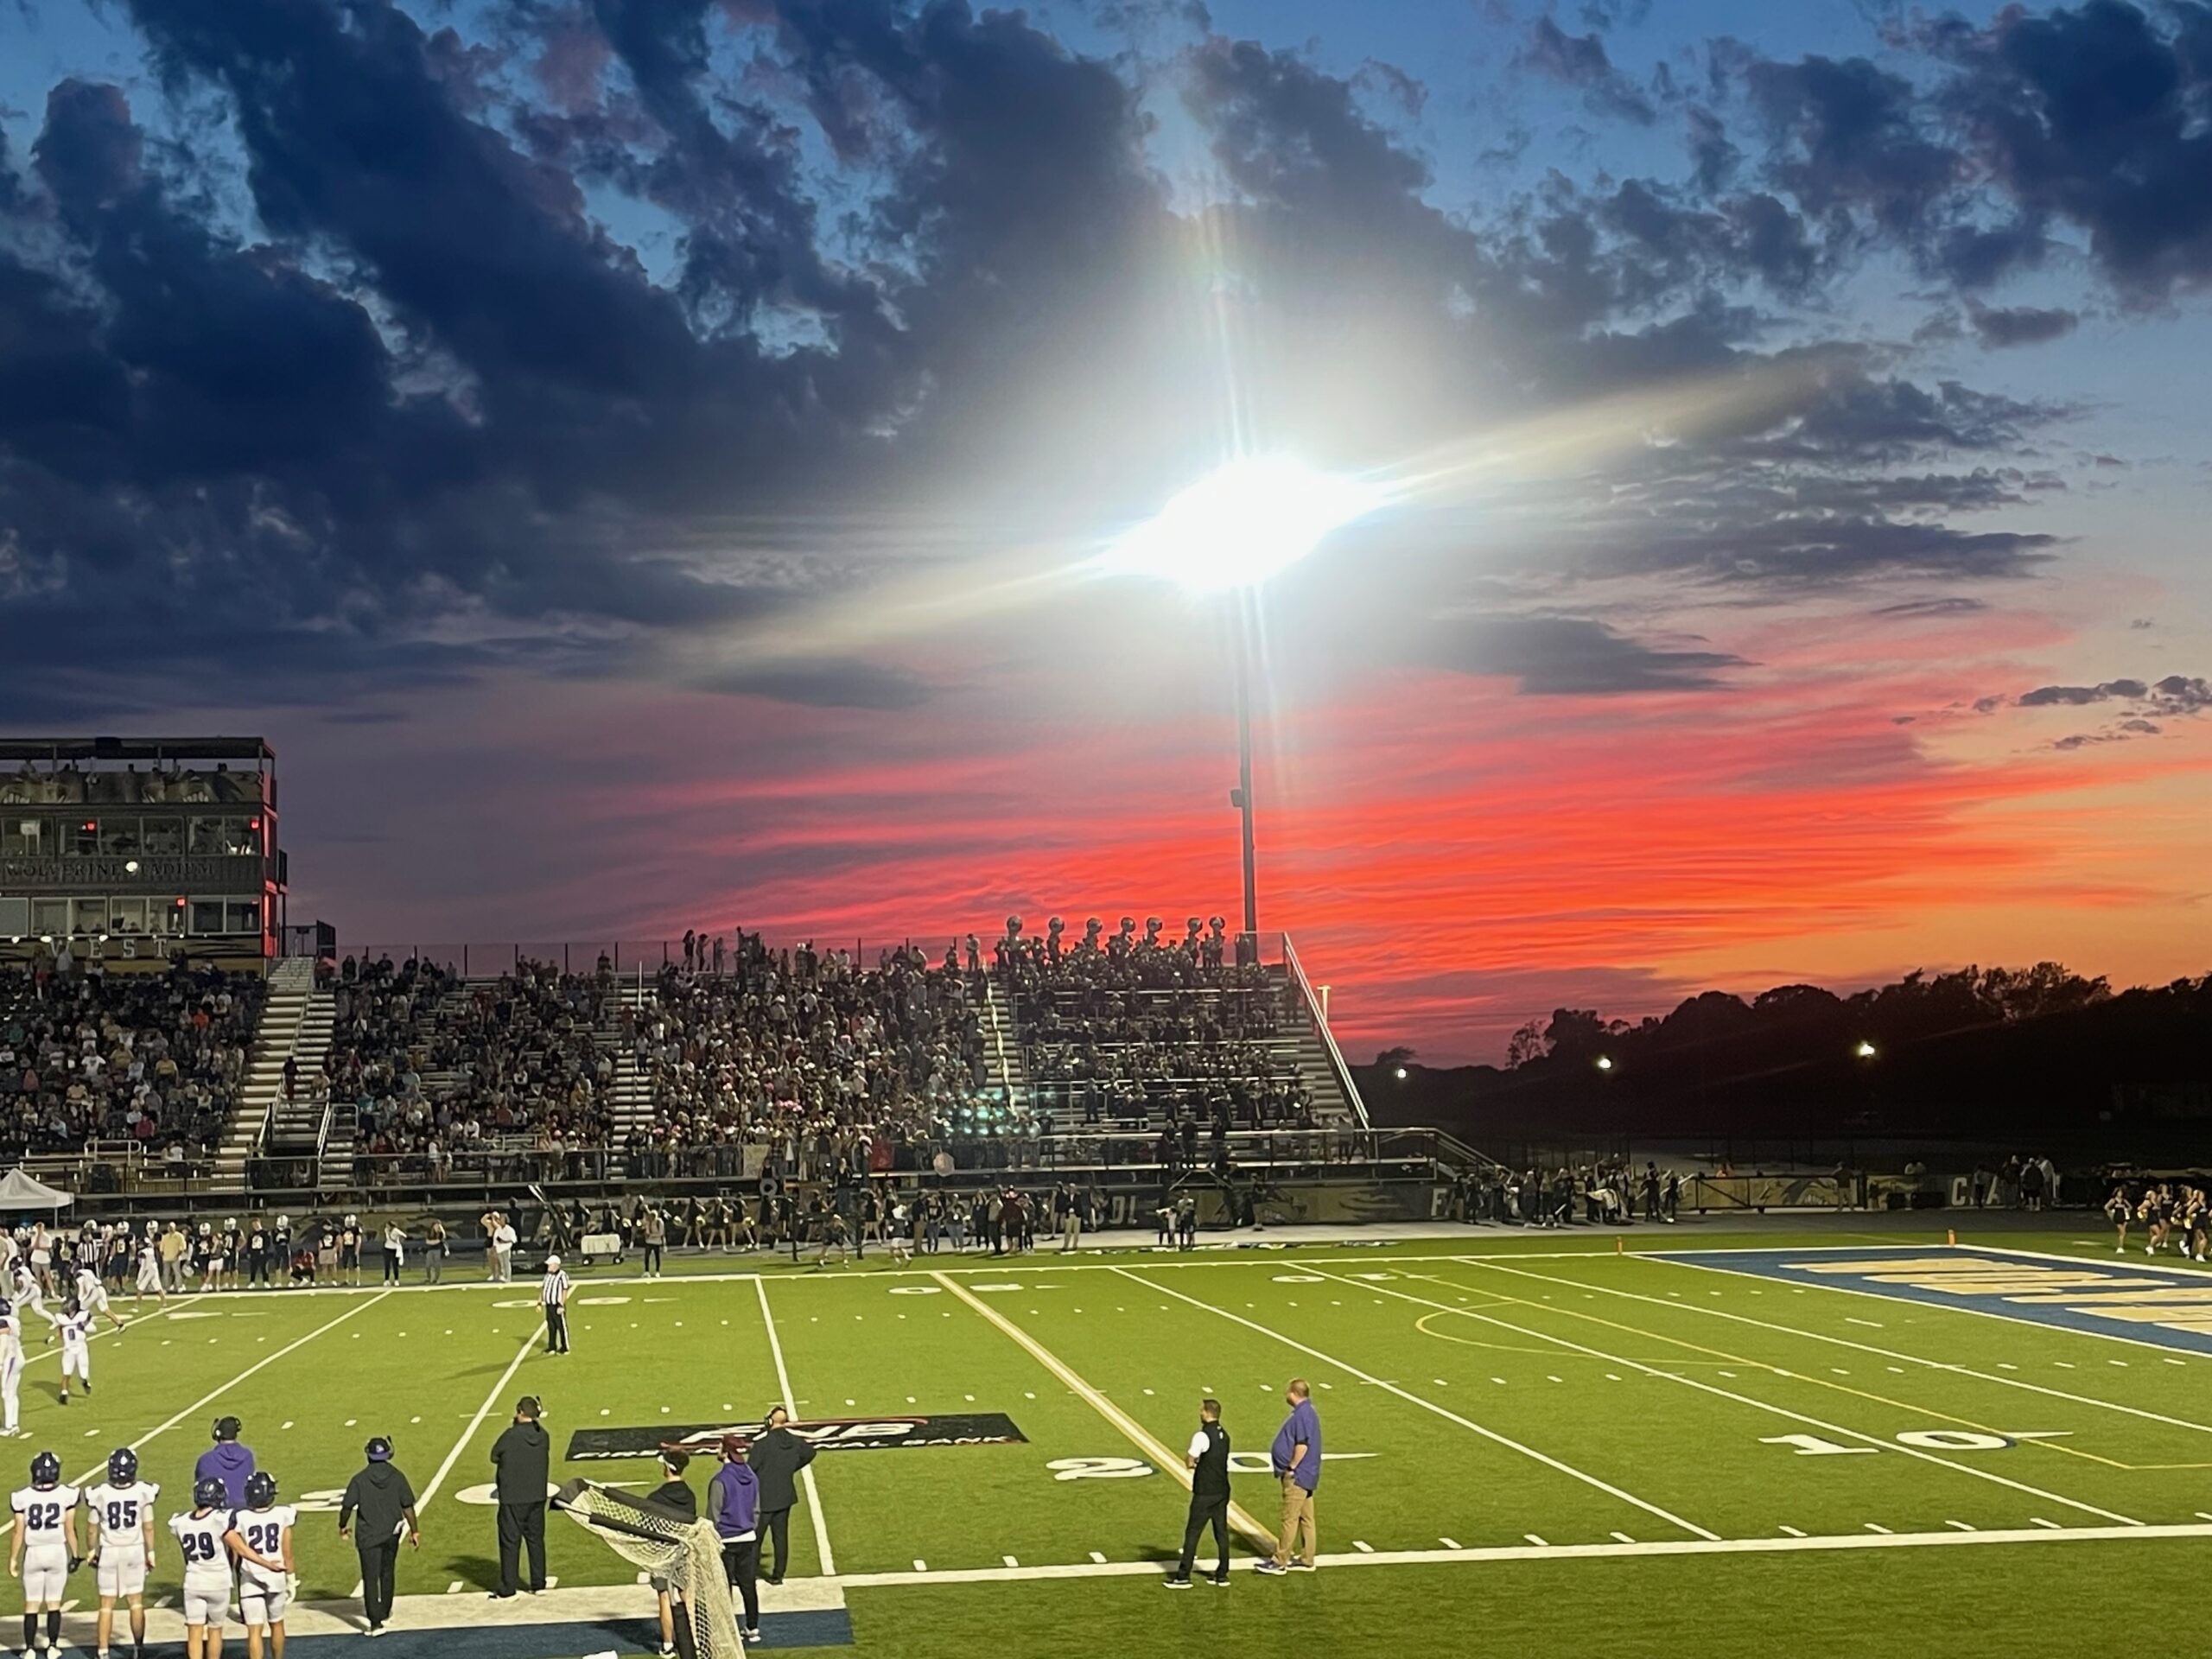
(1230, 533)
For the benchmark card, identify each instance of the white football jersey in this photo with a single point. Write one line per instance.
(206, 1557)
(41, 1510)
(121, 1512)
(75, 1328)
(263, 1531)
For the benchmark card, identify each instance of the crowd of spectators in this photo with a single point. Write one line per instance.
(803, 1063)
(510, 1074)
(155, 1058)
(1145, 1027)
(1609, 1192)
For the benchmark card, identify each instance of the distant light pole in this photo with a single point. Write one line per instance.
(1230, 532)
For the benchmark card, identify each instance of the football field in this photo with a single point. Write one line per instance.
(1530, 1437)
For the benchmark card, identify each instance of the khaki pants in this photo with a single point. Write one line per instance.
(1297, 1512)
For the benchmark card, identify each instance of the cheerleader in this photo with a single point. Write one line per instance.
(2119, 1212)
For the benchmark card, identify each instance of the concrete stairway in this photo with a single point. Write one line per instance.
(1005, 1070)
(296, 1022)
(633, 1094)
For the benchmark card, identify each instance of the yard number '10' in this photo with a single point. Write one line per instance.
(1924, 1439)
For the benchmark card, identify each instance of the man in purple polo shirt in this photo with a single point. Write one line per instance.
(1296, 1456)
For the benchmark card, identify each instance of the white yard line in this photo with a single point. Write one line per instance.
(1747, 1399)
(1490, 1435)
(1160, 1457)
(1846, 1342)
(805, 1475)
(1849, 1540)
(529, 1343)
(215, 1393)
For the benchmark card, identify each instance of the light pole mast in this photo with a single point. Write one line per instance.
(1241, 795)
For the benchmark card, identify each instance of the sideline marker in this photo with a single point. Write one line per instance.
(1619, 1249)
(1951, 1237)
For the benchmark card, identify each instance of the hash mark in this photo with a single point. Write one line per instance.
(2036, 1520)
(1959, 1526)
(1623, 1538)
(1450, 1543)
(1793, 1532)
(1873, 1527)
(1533, 1539)
(1363, 1548)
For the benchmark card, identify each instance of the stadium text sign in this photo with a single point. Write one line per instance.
(836, 1434)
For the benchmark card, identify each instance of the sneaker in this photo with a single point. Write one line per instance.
(751, 1633)
(1301, 1566)
(1219, 1580)
(1271, 1568)
(1175, 1581)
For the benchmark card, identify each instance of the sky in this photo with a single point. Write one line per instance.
(651, 464)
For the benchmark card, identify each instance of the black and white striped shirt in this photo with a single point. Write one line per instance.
(554, 1290)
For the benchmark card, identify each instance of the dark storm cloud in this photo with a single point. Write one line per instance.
(1581, 61)
(1847, 138)
(1998, 326)
(2175, 695)
(2095, 115)
(2088, 120)
(1552, 656)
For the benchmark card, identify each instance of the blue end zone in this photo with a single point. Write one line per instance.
(2156, 1306)
(831, 1629)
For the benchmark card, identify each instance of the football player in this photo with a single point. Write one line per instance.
(76, 1325)
(122, 1543)
(11, 1370)
(43, 1549)
(150, 1271)
(201, 1536)
(92, 1296)
(261, 1538)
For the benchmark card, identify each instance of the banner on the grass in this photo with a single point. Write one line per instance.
(2163, 1307)
(833, 1434)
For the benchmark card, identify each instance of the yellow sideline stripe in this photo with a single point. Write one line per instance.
(1168, 1463)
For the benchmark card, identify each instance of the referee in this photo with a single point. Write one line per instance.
(1208, 1461)
(553, 1291)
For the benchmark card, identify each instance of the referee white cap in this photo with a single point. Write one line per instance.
(552, 1264)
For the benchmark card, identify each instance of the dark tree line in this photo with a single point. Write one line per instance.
(1991, 1052)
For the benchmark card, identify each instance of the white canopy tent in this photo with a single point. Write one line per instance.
(18, 1191)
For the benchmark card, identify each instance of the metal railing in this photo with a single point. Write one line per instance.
(744, 1163)
(1343, 1072)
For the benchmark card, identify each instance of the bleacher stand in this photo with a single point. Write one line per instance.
(1166, 1033)
(154, 1058)
(509, 1076)
(830, 1068)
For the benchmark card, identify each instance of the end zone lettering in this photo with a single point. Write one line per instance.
(831, 1434)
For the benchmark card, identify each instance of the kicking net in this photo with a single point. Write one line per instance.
(684, 1555)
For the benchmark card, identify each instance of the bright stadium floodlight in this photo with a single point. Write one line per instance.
(1230, 532)
(1240, 525)
(1865, 1051)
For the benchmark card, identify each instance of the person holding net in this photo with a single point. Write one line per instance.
(680, 1551)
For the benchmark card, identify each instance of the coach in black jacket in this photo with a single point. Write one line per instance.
(777, 1457)
(523, 1457)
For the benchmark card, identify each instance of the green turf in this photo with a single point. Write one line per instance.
(1494, 1388)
